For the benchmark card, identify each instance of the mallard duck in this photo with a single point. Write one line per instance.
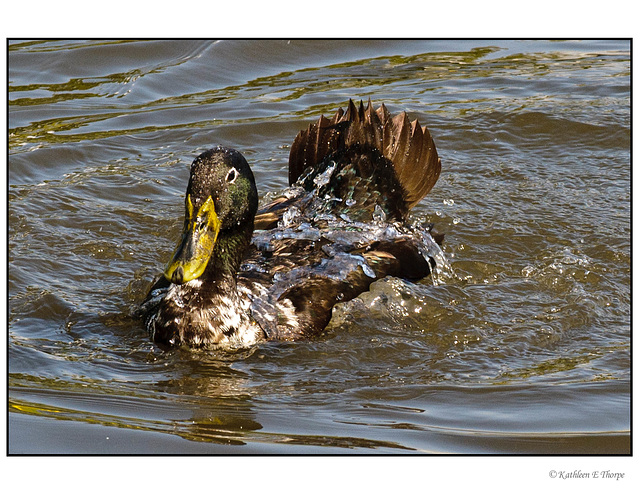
(240, 276)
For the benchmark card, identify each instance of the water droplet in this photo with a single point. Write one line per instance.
(379, 215)
(324, 178)
(289, 216)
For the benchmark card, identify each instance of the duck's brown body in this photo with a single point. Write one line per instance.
(339, 227)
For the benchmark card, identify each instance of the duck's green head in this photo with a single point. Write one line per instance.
(221, 199)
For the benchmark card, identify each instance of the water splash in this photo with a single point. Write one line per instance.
(443, 271)
(289, 216)
(324, 178)
(379, 215)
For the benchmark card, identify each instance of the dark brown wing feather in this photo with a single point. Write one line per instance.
(269, 215)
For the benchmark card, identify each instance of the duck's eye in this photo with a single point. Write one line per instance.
(232, 176)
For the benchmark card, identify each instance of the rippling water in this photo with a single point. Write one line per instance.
(524, 347)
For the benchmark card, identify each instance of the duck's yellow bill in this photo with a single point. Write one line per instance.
(196, 246)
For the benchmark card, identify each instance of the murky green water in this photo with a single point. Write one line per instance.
(525, 348)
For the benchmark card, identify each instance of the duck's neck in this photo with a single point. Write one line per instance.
(222, 270)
